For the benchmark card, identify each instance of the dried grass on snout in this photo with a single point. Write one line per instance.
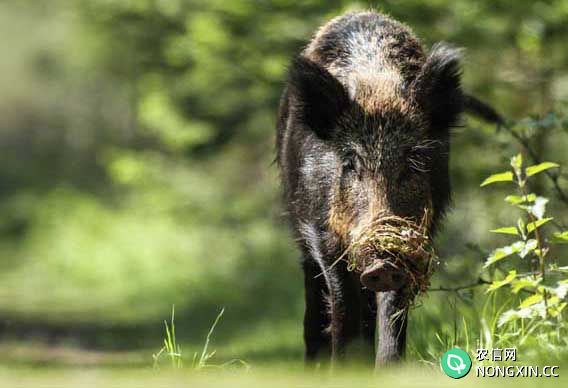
(400, 241)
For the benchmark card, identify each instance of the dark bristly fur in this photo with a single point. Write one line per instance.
(363, 138)
(320, 97)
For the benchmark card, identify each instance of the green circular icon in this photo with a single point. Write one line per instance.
(456, 363)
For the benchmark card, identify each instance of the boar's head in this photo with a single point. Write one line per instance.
(388, 132)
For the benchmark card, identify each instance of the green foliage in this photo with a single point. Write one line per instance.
(533, 170)
(501, 177)
(543, 287)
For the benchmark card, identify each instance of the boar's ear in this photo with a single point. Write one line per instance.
(438, 86)
(319, 96)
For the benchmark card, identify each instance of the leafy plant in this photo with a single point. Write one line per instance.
(541, 291)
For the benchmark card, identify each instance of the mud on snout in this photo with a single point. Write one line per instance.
(393, 253)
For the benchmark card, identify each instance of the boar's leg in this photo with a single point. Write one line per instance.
(348, 331)
(391, 315)
(369, 319)
(316, 317)
(332, 319)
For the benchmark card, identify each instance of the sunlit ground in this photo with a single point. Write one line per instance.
(255, 377)
(36, 365)
(270, 355)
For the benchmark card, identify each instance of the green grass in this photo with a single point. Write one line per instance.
(274, 358)
(171, 348)
(201, 359)
(272, 355)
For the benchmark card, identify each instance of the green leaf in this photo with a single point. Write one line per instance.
(519, 284)
(500, 283)
(501, 253)
(506, 230)
(516, 199)
(501, 177)
(537, 224)
(533, 170)
(522, 228)
(533, 299)
(560, 237)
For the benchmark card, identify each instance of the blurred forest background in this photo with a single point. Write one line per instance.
(136, 148)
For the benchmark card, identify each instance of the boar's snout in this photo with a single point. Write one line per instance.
(382, 275)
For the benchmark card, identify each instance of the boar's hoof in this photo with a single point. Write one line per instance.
(383, 276)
